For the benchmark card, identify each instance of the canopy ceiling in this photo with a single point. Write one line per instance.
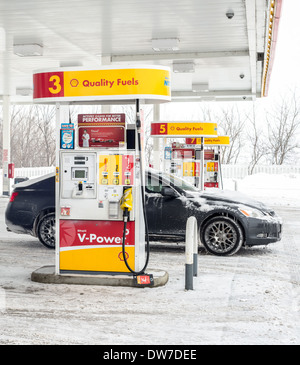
(227, 44)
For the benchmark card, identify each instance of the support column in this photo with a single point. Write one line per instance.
(156, 140)
(164, 164)
(6, 144)
(6, 42)
(202, 165)
(105, 61)
(220, 177)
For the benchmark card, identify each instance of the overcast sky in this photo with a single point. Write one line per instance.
(286, 69)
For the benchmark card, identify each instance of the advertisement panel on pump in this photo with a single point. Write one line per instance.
(67, 136)
(101, 130)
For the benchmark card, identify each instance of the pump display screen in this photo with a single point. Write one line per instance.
(79, 174)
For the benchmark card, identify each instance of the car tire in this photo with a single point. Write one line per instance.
(222, 236)
(46, 230)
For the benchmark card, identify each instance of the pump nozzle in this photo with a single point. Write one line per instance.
(126, 202)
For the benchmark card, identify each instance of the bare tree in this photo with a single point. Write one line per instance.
(32, 135)
(205, 113)
(22, 135)
(283, 125)
(257, 141)
(231, 123)
(45, 124)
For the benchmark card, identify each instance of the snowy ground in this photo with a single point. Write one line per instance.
(252, 297)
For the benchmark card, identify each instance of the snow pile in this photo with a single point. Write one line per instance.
(273, 190)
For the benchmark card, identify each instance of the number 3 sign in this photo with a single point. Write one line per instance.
(48, 84)
(108, 83)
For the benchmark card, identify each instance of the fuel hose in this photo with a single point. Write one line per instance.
(125, 215)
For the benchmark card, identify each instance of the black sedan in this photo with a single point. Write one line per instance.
(226, 220)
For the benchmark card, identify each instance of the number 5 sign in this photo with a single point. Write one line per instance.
(183, 129)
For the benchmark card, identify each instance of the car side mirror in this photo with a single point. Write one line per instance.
(167, 191)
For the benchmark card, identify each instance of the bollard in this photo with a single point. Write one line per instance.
(195, 248)
(191, 243)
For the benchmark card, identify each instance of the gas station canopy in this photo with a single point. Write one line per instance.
(216, 49)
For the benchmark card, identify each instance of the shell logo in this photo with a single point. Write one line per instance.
(121, 257)
(74, 82)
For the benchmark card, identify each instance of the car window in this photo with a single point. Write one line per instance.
(153, 185)
(156, 181)
(178, 182)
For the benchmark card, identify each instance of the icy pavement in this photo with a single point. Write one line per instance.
(252, 297)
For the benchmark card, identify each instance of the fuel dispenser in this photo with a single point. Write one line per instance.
(197, 160)
(211, 162)
(183, 162)
(186, 161)
(211, 169)
(101, 219)
(101, 224)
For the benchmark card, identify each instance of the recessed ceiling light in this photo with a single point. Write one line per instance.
(165, 44)
(23, 91)
(70, 64)
(27, 50)
(183, 66)
(200, 87)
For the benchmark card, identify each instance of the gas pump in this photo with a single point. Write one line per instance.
(186, 161)
(198, 160)
(211, 164)
(212, 161)
(100, 205)
(184, 158)
(211, 169)
(100, 220)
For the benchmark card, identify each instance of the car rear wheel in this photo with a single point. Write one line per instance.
(46, 230)
(222, 236)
